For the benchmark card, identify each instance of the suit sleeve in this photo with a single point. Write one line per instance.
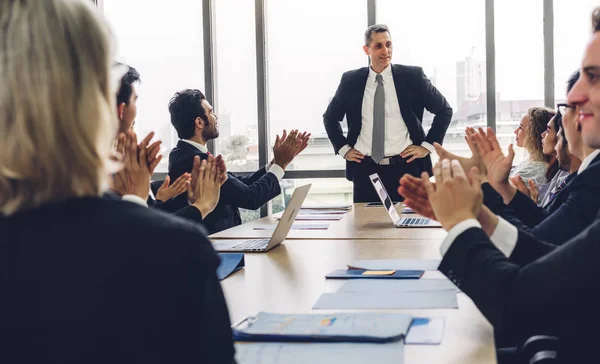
(436, 104)
(236, 193)
(335, 114)
(523, 300)
(190, 213)
(248, 180)
(207, 324)
(527, 210)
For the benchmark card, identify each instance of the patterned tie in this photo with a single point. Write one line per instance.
(558, 189)
(378, 146)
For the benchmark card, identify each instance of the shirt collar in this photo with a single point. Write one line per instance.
(588, 160)
(386, 73)
(199, 146)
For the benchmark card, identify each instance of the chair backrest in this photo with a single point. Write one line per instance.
(540, 349)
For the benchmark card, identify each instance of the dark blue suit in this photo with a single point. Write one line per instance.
(572, 210)
(93, 280)
(238, 192)
(540, 289)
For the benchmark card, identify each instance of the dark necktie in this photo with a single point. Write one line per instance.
(560, 187)
(378, 143)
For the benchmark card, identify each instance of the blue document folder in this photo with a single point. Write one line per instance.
(230, 263)
(361, 273)
(400, 264)
(336, 327)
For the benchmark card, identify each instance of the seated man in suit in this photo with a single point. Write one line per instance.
(196, 124)
(522, 285)
(132, 185)
(573, 205)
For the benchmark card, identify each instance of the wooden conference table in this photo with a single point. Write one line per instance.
(359, 223)
(291, 277)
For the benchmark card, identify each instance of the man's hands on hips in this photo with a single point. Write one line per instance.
(354, 155)
(414, 152)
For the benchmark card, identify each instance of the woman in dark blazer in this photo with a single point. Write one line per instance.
(85, 279)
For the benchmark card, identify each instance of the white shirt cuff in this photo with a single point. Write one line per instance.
(135, 199)
(268, 166)
(453, 233)
(277, 171)
(428, 146)
(343, 150)
(505, 237)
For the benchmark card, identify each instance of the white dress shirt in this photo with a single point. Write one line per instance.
(505, 235)
(397, 137)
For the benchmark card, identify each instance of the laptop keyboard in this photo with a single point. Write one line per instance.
(414, 221)
(254, 244)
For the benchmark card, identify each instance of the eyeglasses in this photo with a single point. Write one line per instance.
(562, 108)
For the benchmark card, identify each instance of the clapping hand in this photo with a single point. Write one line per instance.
(455, 197)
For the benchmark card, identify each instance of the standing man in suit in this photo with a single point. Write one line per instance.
(384, 106)
(196, 123)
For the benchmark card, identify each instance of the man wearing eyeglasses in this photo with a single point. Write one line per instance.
(523, 286)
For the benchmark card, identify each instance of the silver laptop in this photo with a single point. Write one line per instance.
(283, 228)
(391, 209)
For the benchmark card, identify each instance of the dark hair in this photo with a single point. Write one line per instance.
(126, 89)
(184, 108)
(377, 28)
(596, 20)
(553, 166)
(572, 80)
(540, 116)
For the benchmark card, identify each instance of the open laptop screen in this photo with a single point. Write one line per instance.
(385, 198)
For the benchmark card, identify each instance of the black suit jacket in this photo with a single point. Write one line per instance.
(572, 210)
(541, 289)
(415, 94)
(101, 281)
(238, 192)
(187, 212)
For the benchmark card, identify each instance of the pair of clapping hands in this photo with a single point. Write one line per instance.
(140, 160)
(456, 195)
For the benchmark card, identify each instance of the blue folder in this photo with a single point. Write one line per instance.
(230, 263)
(358, 273)
(337, 327)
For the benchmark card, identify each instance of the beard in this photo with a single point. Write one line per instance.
(210, 134)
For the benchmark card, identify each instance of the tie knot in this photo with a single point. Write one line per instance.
(379, 79)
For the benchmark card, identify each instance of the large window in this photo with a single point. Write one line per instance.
(164, 43)
(572, 30)
(519, 65)
(451, 50)
(323, 191)
(236, 84)
(310, 44)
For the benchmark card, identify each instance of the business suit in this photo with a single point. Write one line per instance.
(572, 209)
(540, 289)
(93, 280)
(237, 192)
(188, 212)
(415, 93)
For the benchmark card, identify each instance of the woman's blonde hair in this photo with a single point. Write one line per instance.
(56, 105)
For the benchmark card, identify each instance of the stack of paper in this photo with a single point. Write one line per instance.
(295, 227)
(319, 353)
(346, 207)
(391, 294)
